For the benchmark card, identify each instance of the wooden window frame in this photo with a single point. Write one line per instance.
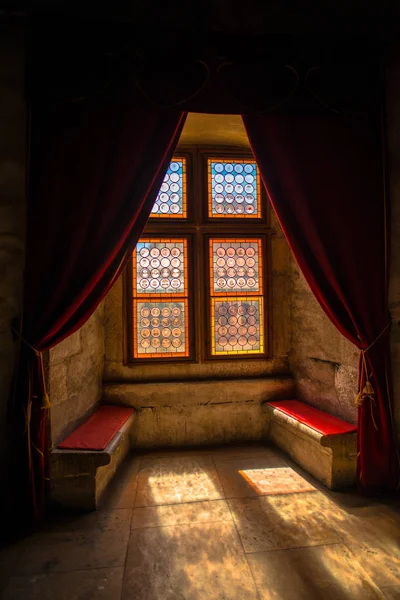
(198, 228)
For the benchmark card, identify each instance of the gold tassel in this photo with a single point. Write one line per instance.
(368, 389)
(46, 401)
(367, 392)
(359, 399)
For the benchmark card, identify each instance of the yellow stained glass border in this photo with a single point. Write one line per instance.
(183, 215)
(242, 161)
(160, 295)
(235, 240)
(259, 299)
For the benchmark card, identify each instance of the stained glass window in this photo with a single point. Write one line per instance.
(222, 283)
(161, 329)
(171, 201)
(160, 298)
(233, 188)
(237, 325)
(236, 265)
(236, 285)
(160, 267)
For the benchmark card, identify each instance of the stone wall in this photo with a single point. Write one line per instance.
(194, 413)
(323, 362)
(75, 376)
(13, 116)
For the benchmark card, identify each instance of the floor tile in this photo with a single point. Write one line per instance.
(96, 584)
(373, 535)
(99, 520)
(283, 521)
(181, 514)
(68, 549)
(367, 524)
(380, 561)
(9, 557)
(392, 593)
(191, 562)
(177, 479)
(322, 572)
(251, 477)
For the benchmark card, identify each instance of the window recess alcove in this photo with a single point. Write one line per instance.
(197, 331)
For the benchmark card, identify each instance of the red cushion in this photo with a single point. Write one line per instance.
(98, 431)
(314, 418)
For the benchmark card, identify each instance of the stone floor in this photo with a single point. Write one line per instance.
(235, 523)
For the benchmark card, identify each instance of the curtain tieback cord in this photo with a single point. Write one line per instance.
(45, 397)
(46, 404)
(367, 390)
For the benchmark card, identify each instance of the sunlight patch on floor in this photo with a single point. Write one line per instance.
(281, 480)
(190, 485)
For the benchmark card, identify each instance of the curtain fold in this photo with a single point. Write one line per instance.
(325, 179)
(96, 168)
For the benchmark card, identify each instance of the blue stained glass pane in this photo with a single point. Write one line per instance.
(234, 188)
(171, 199)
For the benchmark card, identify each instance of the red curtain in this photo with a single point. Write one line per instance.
(96, 168)
(325, 179)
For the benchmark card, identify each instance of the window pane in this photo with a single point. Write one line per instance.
(160, 267)
(233, 188)
(161, 329)
(171, 200)
(160, 298)
(236, 265)
(237, 326)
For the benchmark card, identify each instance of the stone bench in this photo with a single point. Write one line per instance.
(323, 445)
(83, 465)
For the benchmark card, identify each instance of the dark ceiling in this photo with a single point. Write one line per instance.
(249, 17)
